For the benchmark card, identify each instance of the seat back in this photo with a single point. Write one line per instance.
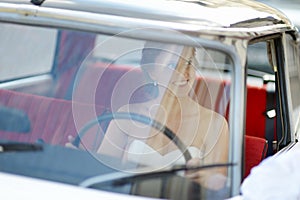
(110, 86)
(255, 152)
(213, 94)
(256, 109)
(73, 48)
(52, 120)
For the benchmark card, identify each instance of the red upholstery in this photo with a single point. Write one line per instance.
(213, 94)
(255, 152)
(110, 86)
(52, 120)
(74, 47)
(256, 109)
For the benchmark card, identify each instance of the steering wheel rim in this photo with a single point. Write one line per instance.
(139, 118)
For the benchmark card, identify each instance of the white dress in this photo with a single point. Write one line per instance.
(142, 153)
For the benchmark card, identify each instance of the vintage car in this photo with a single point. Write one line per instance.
(143, 99)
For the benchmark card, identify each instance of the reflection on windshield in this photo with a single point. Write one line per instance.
(185, 89)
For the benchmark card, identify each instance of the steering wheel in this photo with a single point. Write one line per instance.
(139, 118)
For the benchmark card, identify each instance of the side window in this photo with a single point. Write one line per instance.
(33, 56)
(268, 127)
(258, 60)
(271, 90)
(261, 98)
(293, 61)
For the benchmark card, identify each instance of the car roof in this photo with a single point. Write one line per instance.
(242, 18)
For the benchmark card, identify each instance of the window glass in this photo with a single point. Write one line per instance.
(294, 74)
(144, 103)
(258, 58)
(261, 101)
(26, 54)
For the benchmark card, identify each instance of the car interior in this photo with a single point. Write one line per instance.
(44, 102)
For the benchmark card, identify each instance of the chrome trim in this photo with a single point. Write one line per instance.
(237, 113)
(96, 22)
(26, 82)
(292, 123)
(211, 13)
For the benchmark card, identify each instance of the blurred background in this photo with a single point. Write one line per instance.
(290, 7)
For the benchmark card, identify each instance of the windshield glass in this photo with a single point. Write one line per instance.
(132, 105)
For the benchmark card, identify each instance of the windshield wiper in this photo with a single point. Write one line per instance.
(17, 146)
(121, 178)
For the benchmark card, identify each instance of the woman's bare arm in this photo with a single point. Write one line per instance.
(114, 141)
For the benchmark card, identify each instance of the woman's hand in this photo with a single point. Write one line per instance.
(70, 143)
(192, 174)
(209, 178)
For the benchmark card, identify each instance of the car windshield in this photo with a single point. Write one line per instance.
(132, 105)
